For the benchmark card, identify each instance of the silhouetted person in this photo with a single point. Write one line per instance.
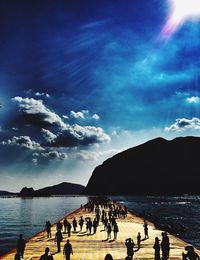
(81, 221)
(146, 235)
(21, 245)
(138, 240)
(165, 246)
(58, 239)
(48, 228)
(74, 224)
(156, 248)
(130, 247)
(191, 254)
(108, 257)
(59, 226)
(18, 255)
(46, 255)
(115, 230)
(67, 250)
(69, 226)
(109, 229)
(65, 225)
(95, 225)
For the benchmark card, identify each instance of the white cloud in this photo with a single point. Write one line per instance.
(38, 94)
(96, 155)
(48, 135)
(24, 142)
(77, 115)
(193, 100)
(36, 108)
(96, 117)
(182, 124)
(55, 155)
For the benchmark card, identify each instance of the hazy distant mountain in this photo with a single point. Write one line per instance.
(157, 167)
(6, 193)
(64, 188)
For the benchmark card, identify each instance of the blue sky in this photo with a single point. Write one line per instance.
(83, 80)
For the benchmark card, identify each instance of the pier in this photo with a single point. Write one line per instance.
(96, 246)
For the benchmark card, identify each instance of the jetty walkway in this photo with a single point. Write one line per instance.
(96, 246)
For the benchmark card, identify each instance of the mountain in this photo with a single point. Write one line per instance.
(6, 193)
(157, 167)
(64, 188)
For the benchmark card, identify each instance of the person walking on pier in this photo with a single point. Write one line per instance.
(81, 221)
(74, 223)
(109, 229)
(165, 246)
(67, 251)
(59, 226)
(115, 230)
(65, 225)
(156, 248)
(130, 248)
(69, 226)
(48, 229)
(191, 254)
(146, 235)
(21, 245)
(46, 255)
(58, 239)
(138, 240)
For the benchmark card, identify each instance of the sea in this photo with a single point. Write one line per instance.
(28, 216)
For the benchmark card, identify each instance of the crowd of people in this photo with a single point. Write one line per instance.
(106, 213)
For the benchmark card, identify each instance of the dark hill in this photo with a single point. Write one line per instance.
(64, 188)
(157, 167)
(7, 193)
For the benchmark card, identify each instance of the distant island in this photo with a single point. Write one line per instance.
(61, 189)
(7, 193)
(157, 167)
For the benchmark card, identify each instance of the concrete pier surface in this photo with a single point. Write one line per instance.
(96, 246)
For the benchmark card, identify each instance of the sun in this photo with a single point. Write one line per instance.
(180, 11)
(184, 9)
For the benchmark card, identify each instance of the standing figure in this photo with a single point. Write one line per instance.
(115, 230)
(138, 240)
(59, 226)
(130, 248)
(69, 226)
(65, 225)
(58, 239)
(156, 248)
(74, 223)
(46, 255)
(165, 246)
(48, 228)
(146, 235)
(81, 221)
(21, 245)
(109, 229)
(67, 251)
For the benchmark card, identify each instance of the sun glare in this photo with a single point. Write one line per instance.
(180, 11)
(183, 9)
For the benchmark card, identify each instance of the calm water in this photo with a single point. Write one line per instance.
(28, 216)
(176, 211)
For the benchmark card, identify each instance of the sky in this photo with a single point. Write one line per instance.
(81, 81)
